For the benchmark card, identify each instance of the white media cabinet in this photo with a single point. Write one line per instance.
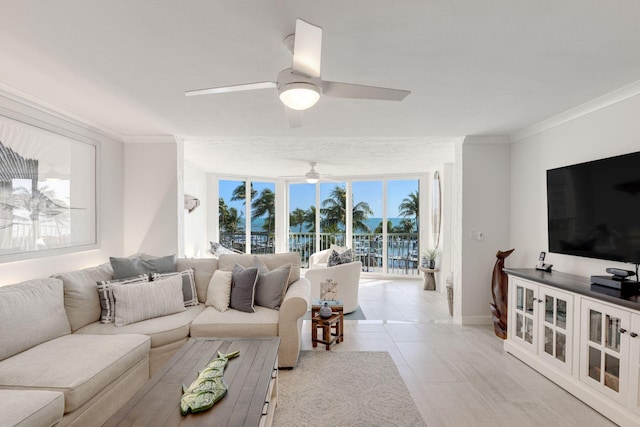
(583, 337)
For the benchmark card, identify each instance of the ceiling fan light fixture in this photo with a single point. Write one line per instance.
(312, 178)
(299, 96)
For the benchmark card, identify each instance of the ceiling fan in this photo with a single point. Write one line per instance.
(300, 86)
(312, 176)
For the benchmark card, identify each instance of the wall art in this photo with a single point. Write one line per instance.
(48, 184)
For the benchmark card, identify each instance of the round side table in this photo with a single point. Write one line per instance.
(429, 278)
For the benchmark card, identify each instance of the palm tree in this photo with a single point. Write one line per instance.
(265, 204)
(410, 206)
(296, 218)
(378, 229)
(334, 209)
(405, 226)
(229, 221)
(223, 212)
(310, 218)
(240, 193)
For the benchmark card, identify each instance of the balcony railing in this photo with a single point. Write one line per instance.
(261, 242)
(402, 250)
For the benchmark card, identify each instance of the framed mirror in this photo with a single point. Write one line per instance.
(436, 209)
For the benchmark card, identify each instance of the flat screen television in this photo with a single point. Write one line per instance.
(593, 209)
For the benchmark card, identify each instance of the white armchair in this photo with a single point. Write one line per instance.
(347, 276)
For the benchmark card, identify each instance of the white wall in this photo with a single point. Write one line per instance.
(110, 201)
(151, 195)
(485, 209)
(606, 132)
(195, 223)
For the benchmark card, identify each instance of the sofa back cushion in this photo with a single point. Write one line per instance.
(203, 271)
(272, 261)
(31, 313)
(81, 299)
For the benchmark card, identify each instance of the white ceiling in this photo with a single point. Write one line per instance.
(488, 67)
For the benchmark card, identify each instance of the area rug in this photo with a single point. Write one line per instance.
(330, 388)
(357, 314)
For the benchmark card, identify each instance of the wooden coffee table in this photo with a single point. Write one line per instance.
(250, 401)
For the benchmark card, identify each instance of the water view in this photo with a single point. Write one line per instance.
(402, 254)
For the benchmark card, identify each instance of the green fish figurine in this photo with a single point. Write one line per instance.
(208, 388)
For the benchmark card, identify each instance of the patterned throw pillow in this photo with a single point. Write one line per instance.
(188, 285)
(107, 301)
(336, 259)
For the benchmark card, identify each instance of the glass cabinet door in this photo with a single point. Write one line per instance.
(523, 316)
(556, 329)
(604, 348)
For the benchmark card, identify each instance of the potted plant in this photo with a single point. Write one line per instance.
(430, 256)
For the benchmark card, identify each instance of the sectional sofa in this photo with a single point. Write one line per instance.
(59, 363)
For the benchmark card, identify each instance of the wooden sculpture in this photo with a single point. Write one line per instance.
(499, 290)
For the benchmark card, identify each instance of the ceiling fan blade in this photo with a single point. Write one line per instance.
(348, 90)
(307, 49)
(235, 88)
(294, 117)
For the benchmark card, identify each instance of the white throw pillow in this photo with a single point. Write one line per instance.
(141, 301)
(219, 291)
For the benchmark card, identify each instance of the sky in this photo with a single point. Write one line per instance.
(303, 195)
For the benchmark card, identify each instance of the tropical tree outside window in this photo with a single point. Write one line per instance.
(263, 217)
(236, 202)
(302, 220)
(403, 207)
(332, 214)
(367, 224)
(231, 213)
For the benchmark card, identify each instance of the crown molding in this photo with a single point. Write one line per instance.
(588, 107)
(15, 94)
(150, 139)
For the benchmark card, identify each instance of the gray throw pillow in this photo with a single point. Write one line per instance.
(336, 258)
(243, 285)
(272, 285)
(129, 267)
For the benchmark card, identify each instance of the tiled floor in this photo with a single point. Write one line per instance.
(457, 375)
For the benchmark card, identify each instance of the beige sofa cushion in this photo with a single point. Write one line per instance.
(31, 312)
(81, 295)
(162, 330)
(28, 408)
(203, 270)
(79, 365)
(234, 323)
(272, 261)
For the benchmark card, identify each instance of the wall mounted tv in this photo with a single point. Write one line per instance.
(593, 209)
